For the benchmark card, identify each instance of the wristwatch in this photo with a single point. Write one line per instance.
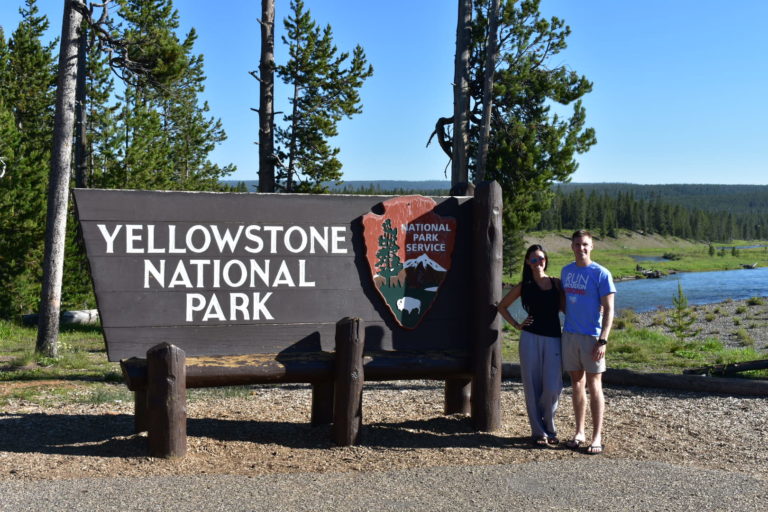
(602, 341)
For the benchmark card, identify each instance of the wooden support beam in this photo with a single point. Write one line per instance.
(729, 369)
(322, 403)
(140, 413)
(348, 399)
(486, 328)
(457, 396)
(167, 401)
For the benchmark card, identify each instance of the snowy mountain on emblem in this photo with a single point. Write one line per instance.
(424, 261)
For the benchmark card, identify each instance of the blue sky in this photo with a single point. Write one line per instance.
(679, 86)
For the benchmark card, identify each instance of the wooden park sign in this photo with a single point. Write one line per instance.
(250, 288)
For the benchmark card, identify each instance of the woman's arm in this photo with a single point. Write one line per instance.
(507, 301)
(561, 293)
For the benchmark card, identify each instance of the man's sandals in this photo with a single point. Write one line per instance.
(594, 449)
(582, 446)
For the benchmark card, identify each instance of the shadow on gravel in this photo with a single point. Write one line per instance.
(112, 435)
(439, 432)
(70, 434)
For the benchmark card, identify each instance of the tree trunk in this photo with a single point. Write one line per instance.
(81, 113)
(459, 167)
(58, 186)
(266, 98)
(292, 143)
(491, 51)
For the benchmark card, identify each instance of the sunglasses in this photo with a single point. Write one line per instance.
(536, 259)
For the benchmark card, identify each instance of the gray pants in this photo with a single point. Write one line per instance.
(542, 375)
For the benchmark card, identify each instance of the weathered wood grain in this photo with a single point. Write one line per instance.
(167, 401)
(486, 330)
(349, 378)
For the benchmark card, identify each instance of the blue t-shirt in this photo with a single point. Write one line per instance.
(584, 287)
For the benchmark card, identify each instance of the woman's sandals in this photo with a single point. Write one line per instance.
(545, 442)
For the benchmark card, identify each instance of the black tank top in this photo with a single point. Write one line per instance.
(544, 307)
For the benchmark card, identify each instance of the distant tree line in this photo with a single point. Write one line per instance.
(378, 190)
(708, 197)
(605, 213)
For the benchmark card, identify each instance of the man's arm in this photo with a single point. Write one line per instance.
(606, 303)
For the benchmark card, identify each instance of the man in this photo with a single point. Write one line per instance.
(589, 293)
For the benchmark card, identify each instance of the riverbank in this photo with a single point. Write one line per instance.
(672, 254)
(735, 323)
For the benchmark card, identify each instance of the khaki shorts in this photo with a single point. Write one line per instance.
(577, 353)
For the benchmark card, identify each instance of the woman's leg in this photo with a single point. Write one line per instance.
(531, 375)
(552, 384)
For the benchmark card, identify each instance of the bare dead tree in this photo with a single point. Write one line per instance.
(58, 186)
(491, 56)
(460, 160)
(266, 112)
(81, 113)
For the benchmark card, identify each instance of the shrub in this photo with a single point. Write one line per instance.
(744, 338)
(756, 301)
(626, 318)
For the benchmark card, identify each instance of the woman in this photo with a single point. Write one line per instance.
(540, 361)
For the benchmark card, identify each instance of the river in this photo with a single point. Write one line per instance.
(699, 288)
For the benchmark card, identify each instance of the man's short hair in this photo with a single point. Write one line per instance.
(581, 233)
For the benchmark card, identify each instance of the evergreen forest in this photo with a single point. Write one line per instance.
(710, 213)
(141, 131)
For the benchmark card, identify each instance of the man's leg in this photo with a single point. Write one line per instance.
(579, 403)
(597, 405)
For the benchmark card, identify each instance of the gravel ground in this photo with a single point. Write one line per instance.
(268, 432)
(263, 433)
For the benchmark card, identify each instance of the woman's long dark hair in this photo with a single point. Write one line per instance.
(527, 280)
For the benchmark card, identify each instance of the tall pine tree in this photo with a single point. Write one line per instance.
(324, 89)
(167, 135)
(27, 78)
(530, 145)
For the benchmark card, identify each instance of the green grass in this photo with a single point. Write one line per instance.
(648, 350)
(81, 355)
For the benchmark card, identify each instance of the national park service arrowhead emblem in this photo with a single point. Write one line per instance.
(409, 250)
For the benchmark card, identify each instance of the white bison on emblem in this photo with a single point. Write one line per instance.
(408, 304)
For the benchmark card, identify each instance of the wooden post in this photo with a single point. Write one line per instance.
(167, 401)
(140, 413)
(348, 399)
(322, 403)
(458, 391)
(486, 328)
(457, 396)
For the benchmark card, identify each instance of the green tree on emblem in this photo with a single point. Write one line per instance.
(389, 264)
